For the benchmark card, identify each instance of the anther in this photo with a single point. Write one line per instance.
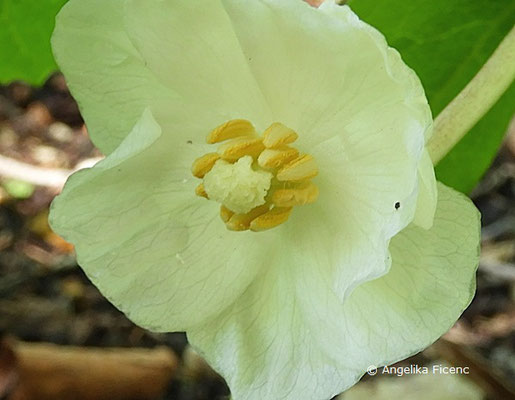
(236, 148)
(277, 135)
(275, 158)
(202, 165)
(276, 216)
(304, 194)
(230, 130)
(241, 222)
(200, 191)
(299, 169)
(225, 213)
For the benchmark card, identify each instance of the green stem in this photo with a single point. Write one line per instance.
(469, 106)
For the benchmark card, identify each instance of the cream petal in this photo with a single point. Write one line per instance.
(192, 49)
(427, 193)
(104, 71)
(324, 72)
(120, 57)
(289, 336)
(152, 247)
(358, 109)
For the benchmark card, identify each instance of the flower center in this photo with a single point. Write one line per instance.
(257, 179)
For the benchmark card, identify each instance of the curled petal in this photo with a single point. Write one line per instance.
(289, 336)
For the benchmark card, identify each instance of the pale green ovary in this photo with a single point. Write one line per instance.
(237, 186)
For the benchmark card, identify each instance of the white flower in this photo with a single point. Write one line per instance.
(367, 273)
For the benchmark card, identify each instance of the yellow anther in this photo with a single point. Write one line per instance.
(230, 130)
(276, 216)
(299, 169)
(200, 191)
(225, 213)
(304, 194)
(275, 158)
(278, 135)
(202, 165)
(237, 148)
(241, 222)
(256, 179)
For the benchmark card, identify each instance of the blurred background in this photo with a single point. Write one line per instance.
(60, 339)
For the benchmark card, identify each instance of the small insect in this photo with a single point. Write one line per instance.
(397, 205)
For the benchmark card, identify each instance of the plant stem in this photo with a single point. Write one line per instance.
(472, 103)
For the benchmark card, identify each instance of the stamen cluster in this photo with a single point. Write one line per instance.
(291, 174)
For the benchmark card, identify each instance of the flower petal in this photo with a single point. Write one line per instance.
(431, 282)
(290, 337)
(153, 248)
(177, 58)
(103, 69)
(427, 193)
(358, 109)
(191, 48)
(324, 72)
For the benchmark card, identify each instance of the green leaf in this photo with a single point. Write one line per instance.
(25, 30)
(446, 43)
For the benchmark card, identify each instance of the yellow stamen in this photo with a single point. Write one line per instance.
(275, 158)
(299, 169)
(241, 222)
(235, 149)
(276, 216)
(256, 179)
(230, 130)
(200, 191)
(304, 194)
(202, 165)
(225, 213)
(278, 135)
